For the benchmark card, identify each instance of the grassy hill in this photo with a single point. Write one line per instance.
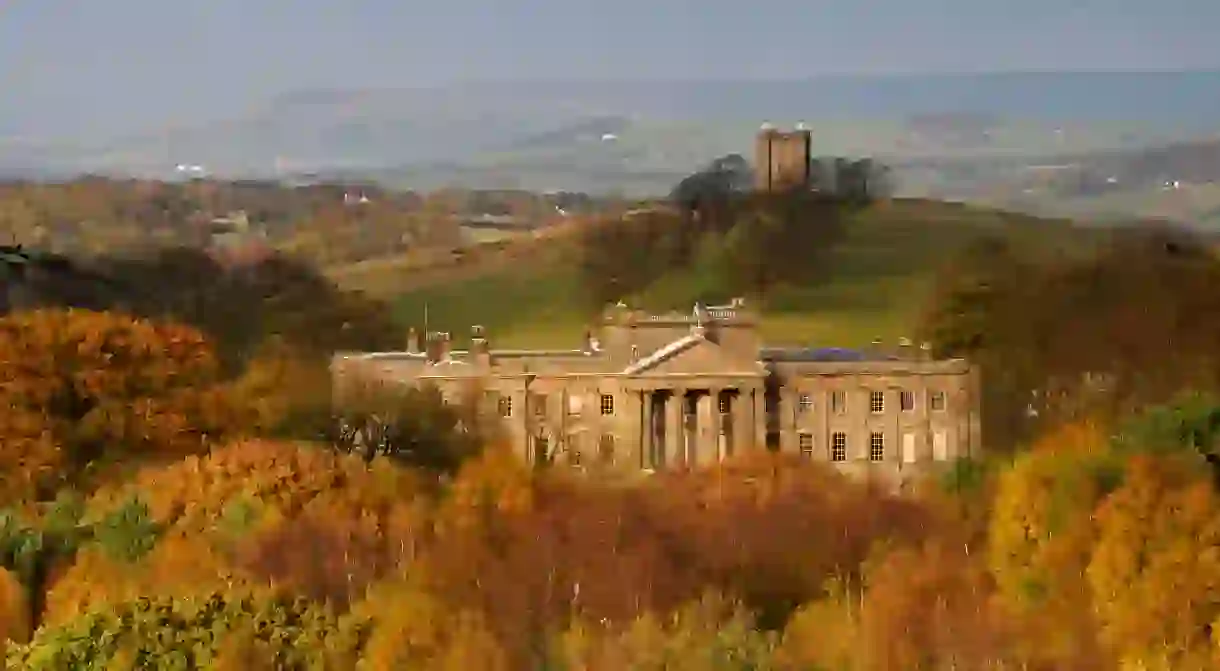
(876, 284)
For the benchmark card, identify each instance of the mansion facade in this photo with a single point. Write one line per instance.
(687, 389)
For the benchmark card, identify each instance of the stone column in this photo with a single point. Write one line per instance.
(628, 453)
(674, 444)
(704, 451)
(743, 429)
(787, 421)
(518, 422)
(759, 417)
(647, 437)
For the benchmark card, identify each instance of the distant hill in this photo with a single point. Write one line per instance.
(541, 131)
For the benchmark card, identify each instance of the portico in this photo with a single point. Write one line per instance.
(695, 423)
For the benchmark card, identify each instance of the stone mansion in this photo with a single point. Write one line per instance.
(688, 389)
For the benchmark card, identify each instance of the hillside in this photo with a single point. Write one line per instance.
(874, 283)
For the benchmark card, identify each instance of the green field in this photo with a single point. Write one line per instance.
(876, 286)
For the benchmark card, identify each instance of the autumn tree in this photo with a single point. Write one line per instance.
(1068, 335)
(1041, 536)
(708, 633)
(1154, 571)
(922, 607)
(410, 628)
(166, 633)
(87, 389)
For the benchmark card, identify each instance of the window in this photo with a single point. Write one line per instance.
(805, 442)
(504, 406)
(876, 446)
(937, 400)
(838, 447)
(607, 404)
(723, 404)
(838, 402)
(605, 448)
(573, 455)
(804, 403)
(906, 400)
(541, 450)
(540, 404)
(940, 446)
(876, 401)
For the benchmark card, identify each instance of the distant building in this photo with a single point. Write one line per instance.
(782, 159)
(690, 389)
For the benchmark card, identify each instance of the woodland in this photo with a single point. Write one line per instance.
(178, 493)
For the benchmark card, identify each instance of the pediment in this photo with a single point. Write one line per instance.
(694, 355)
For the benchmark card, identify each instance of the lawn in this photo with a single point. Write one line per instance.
(877, 284)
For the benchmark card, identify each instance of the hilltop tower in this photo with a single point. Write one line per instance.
(782, 158)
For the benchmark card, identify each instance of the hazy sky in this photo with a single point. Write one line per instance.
(129, 62)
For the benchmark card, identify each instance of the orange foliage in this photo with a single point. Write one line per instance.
(179, 565)
(1086, 436)
(929, 608)
(199, 492)
(14, 610)
(769, 529)
(926, 607)
(331, 552)
(104, 384)
(243, 515)
(772, 528)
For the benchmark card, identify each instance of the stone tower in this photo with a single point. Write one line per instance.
(781, 158)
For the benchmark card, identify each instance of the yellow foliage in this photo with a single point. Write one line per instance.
(1155, 570)
(410, 629)
(1040, 536)
(710, 633)
(825, 633)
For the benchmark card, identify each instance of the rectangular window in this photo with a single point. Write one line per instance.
(605, 448)
(607, 404)
(937, 400)
(876, 401)
(906, 400)
(540, 404)
(876, 446)
(504, 405)
(573, 454)
(940, 446)
(838, 447)
(805, 441)
(541, 450)
(722, 404)
(805, 403)
(838, 402)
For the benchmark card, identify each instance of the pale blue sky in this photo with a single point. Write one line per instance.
(130, 61)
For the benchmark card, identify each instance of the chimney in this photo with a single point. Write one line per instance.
(433, 347)
(412, 341)
(874, 348)
(446, 345)
(479, 346)
(906, 350)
